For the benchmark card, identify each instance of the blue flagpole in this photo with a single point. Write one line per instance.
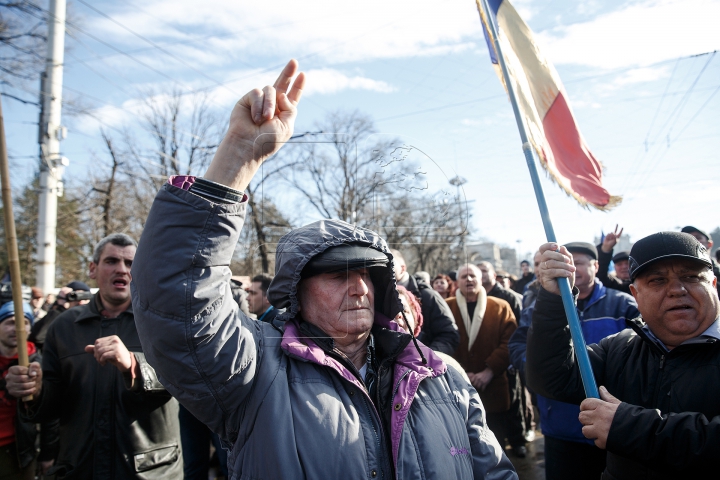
(588, 378)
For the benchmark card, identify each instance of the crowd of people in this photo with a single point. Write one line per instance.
(344, 363)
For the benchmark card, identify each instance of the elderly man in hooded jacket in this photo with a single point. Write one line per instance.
(341, 391)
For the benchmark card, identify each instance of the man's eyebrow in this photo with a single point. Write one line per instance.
(657, 271)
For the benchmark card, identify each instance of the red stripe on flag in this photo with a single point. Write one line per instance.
(573, 160)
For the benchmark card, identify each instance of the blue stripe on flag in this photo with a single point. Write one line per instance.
(494, 6)
(491, 47)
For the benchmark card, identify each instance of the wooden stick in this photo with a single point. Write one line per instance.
(12, 249)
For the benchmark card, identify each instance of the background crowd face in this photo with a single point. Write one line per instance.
(488, 274)
(469, 280)
(8, 335)
(585, 270)
(622, 270)
(440, 285)
(342, 304)
(677, 299)
(112, 273)
(257, 299)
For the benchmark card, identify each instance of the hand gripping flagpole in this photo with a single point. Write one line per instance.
(591, 390)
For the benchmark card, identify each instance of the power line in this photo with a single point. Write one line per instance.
(156, 46)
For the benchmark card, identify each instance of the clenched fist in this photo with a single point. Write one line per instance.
(24, 381)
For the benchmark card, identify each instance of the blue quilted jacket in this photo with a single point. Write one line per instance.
(604, 314)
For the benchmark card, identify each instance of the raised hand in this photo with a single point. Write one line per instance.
(553, 265)
(260, 123)
(611, 240)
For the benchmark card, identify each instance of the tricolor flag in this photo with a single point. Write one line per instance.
(544, 106)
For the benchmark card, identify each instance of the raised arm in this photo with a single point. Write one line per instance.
(204, 351)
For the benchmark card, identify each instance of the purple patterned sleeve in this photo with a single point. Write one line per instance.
(182, 181)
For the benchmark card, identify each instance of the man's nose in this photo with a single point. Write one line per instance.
(357, 285)
(676, 287)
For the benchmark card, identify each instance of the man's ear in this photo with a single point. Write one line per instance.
(633, 290)
(92, 268)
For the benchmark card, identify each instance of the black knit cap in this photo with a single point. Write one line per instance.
(661, 245)
(620, 256)
(582, 247)
(343, 258)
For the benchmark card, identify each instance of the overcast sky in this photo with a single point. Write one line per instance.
(638, 74)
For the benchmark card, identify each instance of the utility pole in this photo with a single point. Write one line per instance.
(51, 132)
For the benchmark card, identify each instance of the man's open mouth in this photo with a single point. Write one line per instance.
(120, 283)
(680, 307)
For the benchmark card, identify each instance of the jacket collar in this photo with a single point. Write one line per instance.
(643, 331)
(92, 311)
(307, 342)
(597, 294)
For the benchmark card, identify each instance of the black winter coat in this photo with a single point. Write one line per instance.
(668, 425)
(439, 330)
(109, 427)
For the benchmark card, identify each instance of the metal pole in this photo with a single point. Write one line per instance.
(51, 132)
(591, 390)
(12, 251)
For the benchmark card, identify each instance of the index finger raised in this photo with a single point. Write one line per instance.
(283, 81)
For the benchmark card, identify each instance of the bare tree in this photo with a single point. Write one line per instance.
(373, 181)
(267, 221)
(108, 189)
(339, 172)
(179, 135)
(23, 31)
(71, 253)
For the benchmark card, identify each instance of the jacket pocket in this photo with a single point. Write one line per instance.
(154, 458)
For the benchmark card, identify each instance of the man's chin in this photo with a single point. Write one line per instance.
(118, 297)
(359, 321)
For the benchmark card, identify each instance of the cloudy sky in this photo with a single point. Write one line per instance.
(640, 75)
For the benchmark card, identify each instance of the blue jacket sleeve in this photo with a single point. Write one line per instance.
(205, 352)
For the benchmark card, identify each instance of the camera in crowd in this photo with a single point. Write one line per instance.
(78, 295)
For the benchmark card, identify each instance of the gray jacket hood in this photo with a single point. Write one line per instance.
(297, 247)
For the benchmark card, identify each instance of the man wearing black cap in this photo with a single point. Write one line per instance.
(659, 416)
(706, 241)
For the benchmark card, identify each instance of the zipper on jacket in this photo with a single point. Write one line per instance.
(662, 361)
(397, 385)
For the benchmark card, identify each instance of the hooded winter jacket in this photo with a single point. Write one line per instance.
(284, 401)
